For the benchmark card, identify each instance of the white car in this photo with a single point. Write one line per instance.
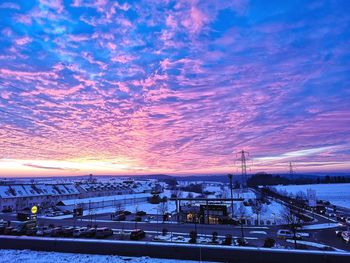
(347, 220)
(285, 233)
(346, 236)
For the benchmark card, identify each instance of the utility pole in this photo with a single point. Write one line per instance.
(242, 157)
(231, 189)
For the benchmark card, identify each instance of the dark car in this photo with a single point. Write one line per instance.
(8, 230)
(56, 232)
(126, 212)
(68, 231)
(18, 231)
(31, 231)
(103, 232)
(341, 217)
(140, 213)
(2, 227)
(137, 234)
(23, 216)
(91, 232)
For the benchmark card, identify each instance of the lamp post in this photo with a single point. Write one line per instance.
(231, 190)
(195, 222)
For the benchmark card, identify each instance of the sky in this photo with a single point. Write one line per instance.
(177, 87)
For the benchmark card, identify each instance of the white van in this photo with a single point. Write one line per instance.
(285, 233)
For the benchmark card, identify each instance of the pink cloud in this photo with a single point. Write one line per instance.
(195, 21)
(122, 59)
(8, 5)
(23, 41)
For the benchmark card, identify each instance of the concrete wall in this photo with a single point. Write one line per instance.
(176, 251)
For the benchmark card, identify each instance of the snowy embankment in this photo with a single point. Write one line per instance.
(29, 256)
(314, 244)
(337, 194)
(321, 226)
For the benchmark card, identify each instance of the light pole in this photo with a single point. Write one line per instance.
(231, 189)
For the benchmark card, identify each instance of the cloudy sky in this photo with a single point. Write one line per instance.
(116, 87)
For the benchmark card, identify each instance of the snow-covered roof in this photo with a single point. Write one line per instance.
(104, 198)
(27, 190)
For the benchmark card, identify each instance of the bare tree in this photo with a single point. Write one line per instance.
(119, 207)
(163, 208)
(190, 196)
(257, 207)
(175, 193)
(292, 221)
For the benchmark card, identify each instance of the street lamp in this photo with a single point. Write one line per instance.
(231, 189)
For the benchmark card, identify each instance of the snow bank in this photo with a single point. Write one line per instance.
(28, 256)
(337, 194)
(321, 226)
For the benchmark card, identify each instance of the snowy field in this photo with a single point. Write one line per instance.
(337, 194)
(28, 256)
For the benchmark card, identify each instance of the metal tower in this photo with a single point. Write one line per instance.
(242, 157)
(291, 171)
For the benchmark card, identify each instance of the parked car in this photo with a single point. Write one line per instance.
(91, 232)
(285, 233)
(126, 212)
(137, 234)
(23, 216)
(80, 232)
(22, 227)
(338, 233)
(18, 231)
(341, 217)
(347, 220)
(269, 242)
(68, 231)
(31, 231)
(2, 227)
(330, 214)
(44, 231)
(346, 236)
(57, 231)
(103, 232)
(8, 230)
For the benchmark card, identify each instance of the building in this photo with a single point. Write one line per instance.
(16, 197)
(103, 201)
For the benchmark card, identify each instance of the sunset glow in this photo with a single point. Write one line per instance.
(178, 87)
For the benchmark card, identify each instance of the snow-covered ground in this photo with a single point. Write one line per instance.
(337, 194)
(270, 212)
(313, 244)
(28, 256)
(321, 226)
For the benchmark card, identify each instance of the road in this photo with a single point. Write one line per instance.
(254, 235)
